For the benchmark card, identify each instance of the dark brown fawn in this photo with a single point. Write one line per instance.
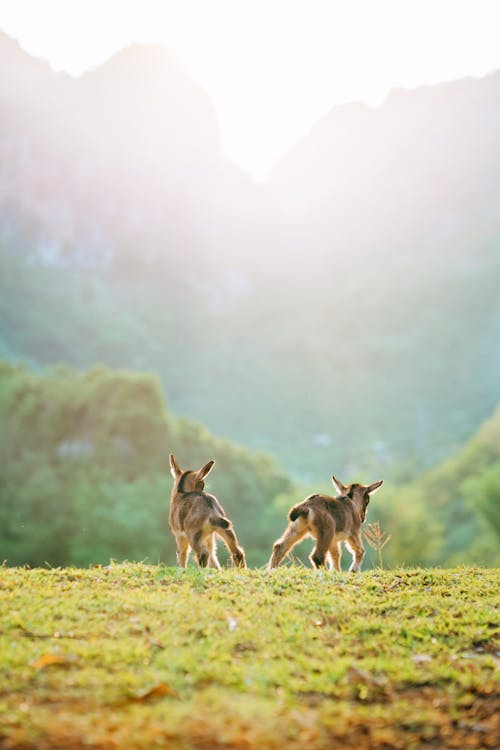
(196, 517)
(330, 521)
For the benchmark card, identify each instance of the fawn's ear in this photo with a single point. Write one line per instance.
(175, 469)
(341, 488)
(205, 470)
(374, 487)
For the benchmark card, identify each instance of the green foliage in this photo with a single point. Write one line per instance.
(482, 494)
(450, 514)
(416, 533)
(37, 516)
(121, 520)
(136, 656)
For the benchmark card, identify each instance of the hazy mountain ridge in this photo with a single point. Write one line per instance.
(93, 164)
(345, 311)
(412, 163)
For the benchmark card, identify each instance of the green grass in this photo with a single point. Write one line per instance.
(137, 656)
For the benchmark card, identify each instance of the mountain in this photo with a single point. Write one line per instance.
(397, 210)
(343, 316)
(412, 165)
(121, 157)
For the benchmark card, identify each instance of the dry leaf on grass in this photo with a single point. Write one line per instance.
(158, 691)
(53, 659)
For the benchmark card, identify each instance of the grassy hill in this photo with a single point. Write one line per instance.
(134, 656)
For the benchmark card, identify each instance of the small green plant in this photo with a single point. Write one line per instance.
(377, 539)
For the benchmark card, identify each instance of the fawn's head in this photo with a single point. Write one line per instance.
(188, 480)
(358, 493)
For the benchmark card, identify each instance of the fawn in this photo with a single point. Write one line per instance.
(195, 517)
(330, 521)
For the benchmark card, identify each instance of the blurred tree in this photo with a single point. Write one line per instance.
(482, 494)
(85, 469)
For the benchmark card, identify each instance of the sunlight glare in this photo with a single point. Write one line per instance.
(271, 68)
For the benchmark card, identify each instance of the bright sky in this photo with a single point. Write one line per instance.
(272, 67)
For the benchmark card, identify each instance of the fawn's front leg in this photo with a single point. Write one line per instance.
(182, 545)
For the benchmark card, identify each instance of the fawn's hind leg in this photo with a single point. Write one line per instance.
(231, 541)
(355, 545)
(211, 544)
(200, 550)
(182, 545)
(292, 535)
(336, 553)
(324, 530)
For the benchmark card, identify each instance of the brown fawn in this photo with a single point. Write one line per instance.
(330, 521)
(195, 517)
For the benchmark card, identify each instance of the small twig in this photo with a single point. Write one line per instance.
(56, 635)
(31, 634)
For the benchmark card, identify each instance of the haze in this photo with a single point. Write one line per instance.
(272, 69)
(342, 316)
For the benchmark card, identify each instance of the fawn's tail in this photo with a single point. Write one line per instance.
(221, 522)
(297, 511)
